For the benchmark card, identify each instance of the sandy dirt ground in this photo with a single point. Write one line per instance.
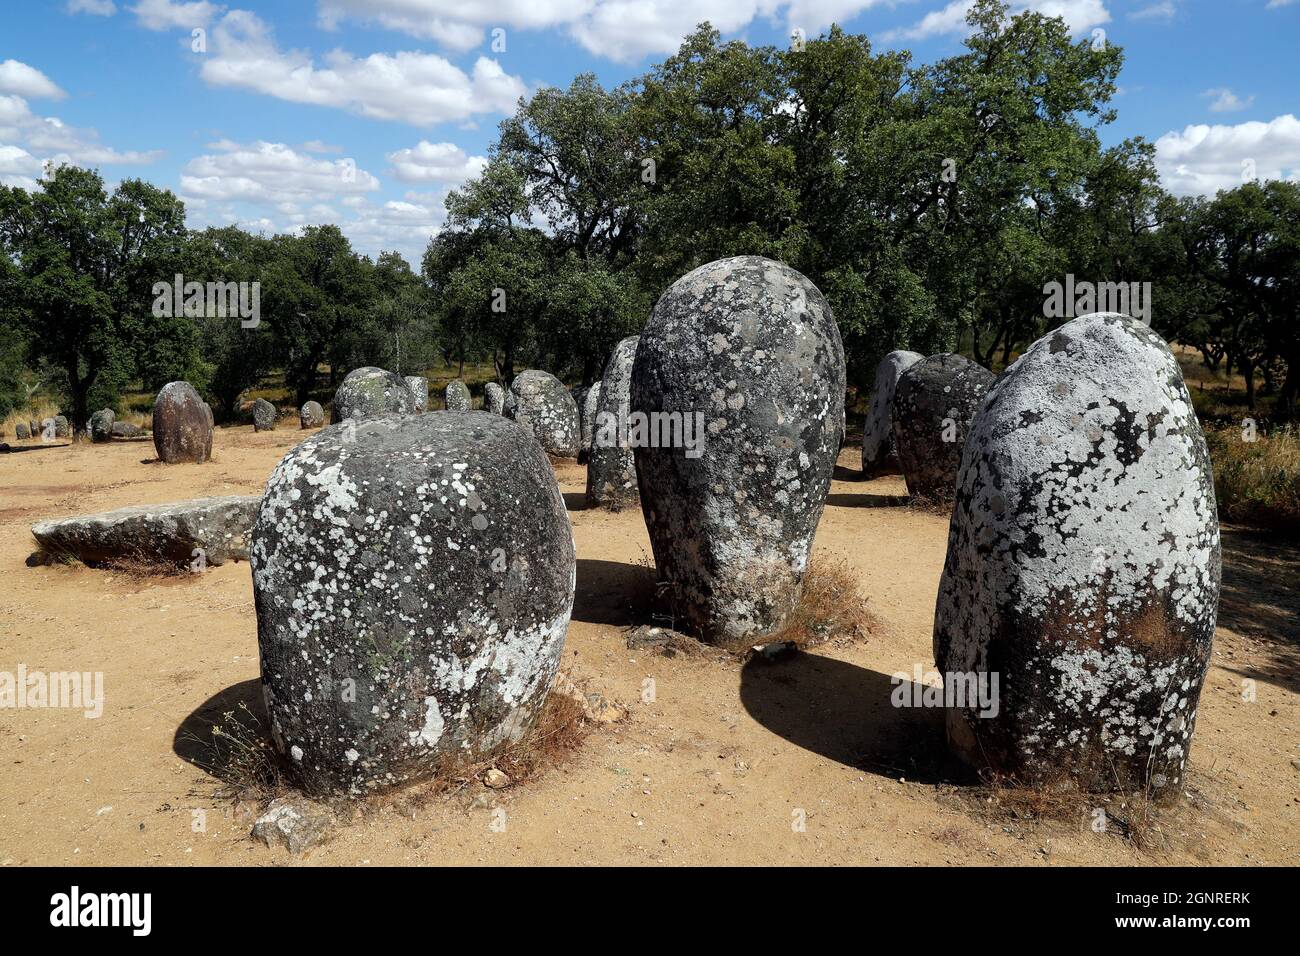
(720, 767)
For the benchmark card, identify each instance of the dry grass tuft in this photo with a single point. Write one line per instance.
(831, 607)
(238, 752)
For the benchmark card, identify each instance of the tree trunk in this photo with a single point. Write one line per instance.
(1248, 371)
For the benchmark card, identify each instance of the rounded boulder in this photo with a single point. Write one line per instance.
(371, 392)
(413, 579)
(101, 425)
(311, 415)
(540, 402)
(264, 415)
(743, 359)
(494, 398)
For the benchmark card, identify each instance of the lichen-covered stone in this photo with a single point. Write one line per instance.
(34, 427)
(494, 398)
(311, 415)
(413, 579)
(22, 432)
(587, 399)
(540, 402)
(751, 345)
(371, 392)
(879, 455)
(1083, 563)
(198, 532)
(419, 386)
(101, 425)
(61, 427)
(934, 402)
(127, 430)
(611, 464)
(456, 396)
(182, 431)
(264, 415)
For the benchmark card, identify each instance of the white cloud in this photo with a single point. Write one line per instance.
(18, 167)
(169, 15)
(1275, 4)
(51, 140)
(1079, 15)
(24, 80)
(98, 8)
(272, 173)
(1223, 100)
(418, 88)
(435, 163)
(1203, 159)
(1164, 10)
(623, 30)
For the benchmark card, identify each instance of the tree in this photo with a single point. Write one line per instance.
(87, 262)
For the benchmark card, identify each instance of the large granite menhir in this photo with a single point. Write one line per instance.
(413, 581)
(611, 463)
(879, 452)
(1083, 564)
(751, 346)
(182, 428)
(933, 405)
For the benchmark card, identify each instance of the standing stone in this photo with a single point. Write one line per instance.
(34, 427)
(494, 398)
(311, 415)
(61, 427)
(540, 402)
(455, 397)
(879, 453)
(22, 432)
(413, 584)
(590, 398)
(370, 392)
(933, 405)
(127, 430)
(264, 415)
(419, 386)
(611, 466)
(181, 430)
(1083, 564)
(101, 425)
(747, 349)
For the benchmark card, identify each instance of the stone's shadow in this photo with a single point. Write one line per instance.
(575, 500)
(866, 500)
(614, 593)
(842, 711)
(1260, 600)
(240, 712)
(847, 474)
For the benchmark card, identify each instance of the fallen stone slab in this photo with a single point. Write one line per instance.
(198, 532)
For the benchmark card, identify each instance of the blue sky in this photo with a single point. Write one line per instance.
(366, 112)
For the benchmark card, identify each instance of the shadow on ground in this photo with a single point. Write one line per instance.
(240, 712)
(865, 500)
(1261, 600)
(844, 712)
(614, 593)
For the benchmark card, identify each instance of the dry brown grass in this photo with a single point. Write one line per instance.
(1147, 823)
(1257, 482)
(831, 607)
